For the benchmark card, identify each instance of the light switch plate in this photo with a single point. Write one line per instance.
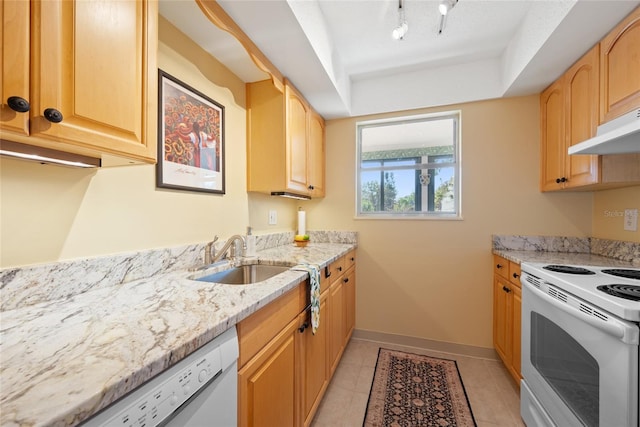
(273, 217)
(631, 219)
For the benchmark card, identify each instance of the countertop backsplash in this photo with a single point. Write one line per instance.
(29, 285)
(615, 249)
(625, 251)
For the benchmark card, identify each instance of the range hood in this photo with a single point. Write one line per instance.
(621, 135)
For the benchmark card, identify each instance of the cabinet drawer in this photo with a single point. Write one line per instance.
(334, 270)
(514, 273)
(350, 260)
(257, 330)
(501, 266)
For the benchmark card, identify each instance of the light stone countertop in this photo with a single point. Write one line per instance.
(64, 360)
(571, 258)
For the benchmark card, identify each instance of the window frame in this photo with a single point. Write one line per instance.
(456, 116)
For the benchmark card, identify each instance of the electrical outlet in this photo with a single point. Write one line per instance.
(273, 217)
(631, 219)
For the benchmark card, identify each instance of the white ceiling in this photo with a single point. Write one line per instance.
(341, 56)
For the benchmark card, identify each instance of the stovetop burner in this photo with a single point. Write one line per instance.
(568, 269)
(630, 292)
(623, 272)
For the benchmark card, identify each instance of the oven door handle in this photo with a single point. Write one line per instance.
(627, 333)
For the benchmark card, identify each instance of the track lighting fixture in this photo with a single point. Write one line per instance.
(444, 8)
(401, 30)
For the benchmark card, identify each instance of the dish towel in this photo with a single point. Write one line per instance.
(314, 282)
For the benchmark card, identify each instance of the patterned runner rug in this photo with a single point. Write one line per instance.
(412, 390)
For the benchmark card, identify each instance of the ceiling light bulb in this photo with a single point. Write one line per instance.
(446, 5)
(400, 31)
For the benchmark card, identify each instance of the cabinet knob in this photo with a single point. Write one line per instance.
(304, 326)
(516, 275)
(311, 187)
(345, 280)
(507, 290)
(499, 266)
(353, 259)
(339, 268)
(559, 180)
(53, 115)
(17, 104)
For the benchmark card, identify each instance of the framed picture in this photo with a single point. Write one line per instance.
(190, 138)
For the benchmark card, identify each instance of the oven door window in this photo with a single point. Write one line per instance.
(567, 367)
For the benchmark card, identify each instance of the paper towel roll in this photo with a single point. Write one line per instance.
(302, 225)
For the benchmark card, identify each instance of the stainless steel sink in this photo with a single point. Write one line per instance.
(244, 275)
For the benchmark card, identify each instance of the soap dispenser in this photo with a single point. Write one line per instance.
(251, 244)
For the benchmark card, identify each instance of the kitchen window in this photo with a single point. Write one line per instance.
(409, 167)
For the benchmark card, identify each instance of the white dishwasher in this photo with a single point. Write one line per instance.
(198, 391)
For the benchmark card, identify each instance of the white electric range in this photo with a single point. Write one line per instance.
(580, 341)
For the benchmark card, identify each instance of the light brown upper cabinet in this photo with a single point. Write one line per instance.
(87, 72)
(569, 113)
(296, 141)
(604, 83)
(552, 137)
(317, 155)
(285, 142)
(620, 69)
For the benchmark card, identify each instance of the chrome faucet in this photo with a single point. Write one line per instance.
(208, 249)
(230, 245)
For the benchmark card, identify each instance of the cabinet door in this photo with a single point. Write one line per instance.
(502, 319)
(316, 155)
(314, 363)
(581, 91)
(14, 54)
(336, 315)
(349, 292)
(266, 384)
(296, 142)
(620, 69)
(94, 62)
(552, 137)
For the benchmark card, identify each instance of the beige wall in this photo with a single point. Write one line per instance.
(427, 279)
(433, 279)
(50, 213)
(608, 208)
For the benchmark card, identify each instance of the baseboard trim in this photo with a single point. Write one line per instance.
(445, 347)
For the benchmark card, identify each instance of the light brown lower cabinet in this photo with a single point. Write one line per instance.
(267, 383)
(283, 368)
(313, 365)
(336, 324)
(507, 309)
(349, 293)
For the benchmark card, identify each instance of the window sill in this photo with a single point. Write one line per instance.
(416, 217)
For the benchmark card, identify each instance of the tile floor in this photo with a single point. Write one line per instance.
(492, 393)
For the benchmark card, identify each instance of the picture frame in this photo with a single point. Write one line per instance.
(191, 146)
